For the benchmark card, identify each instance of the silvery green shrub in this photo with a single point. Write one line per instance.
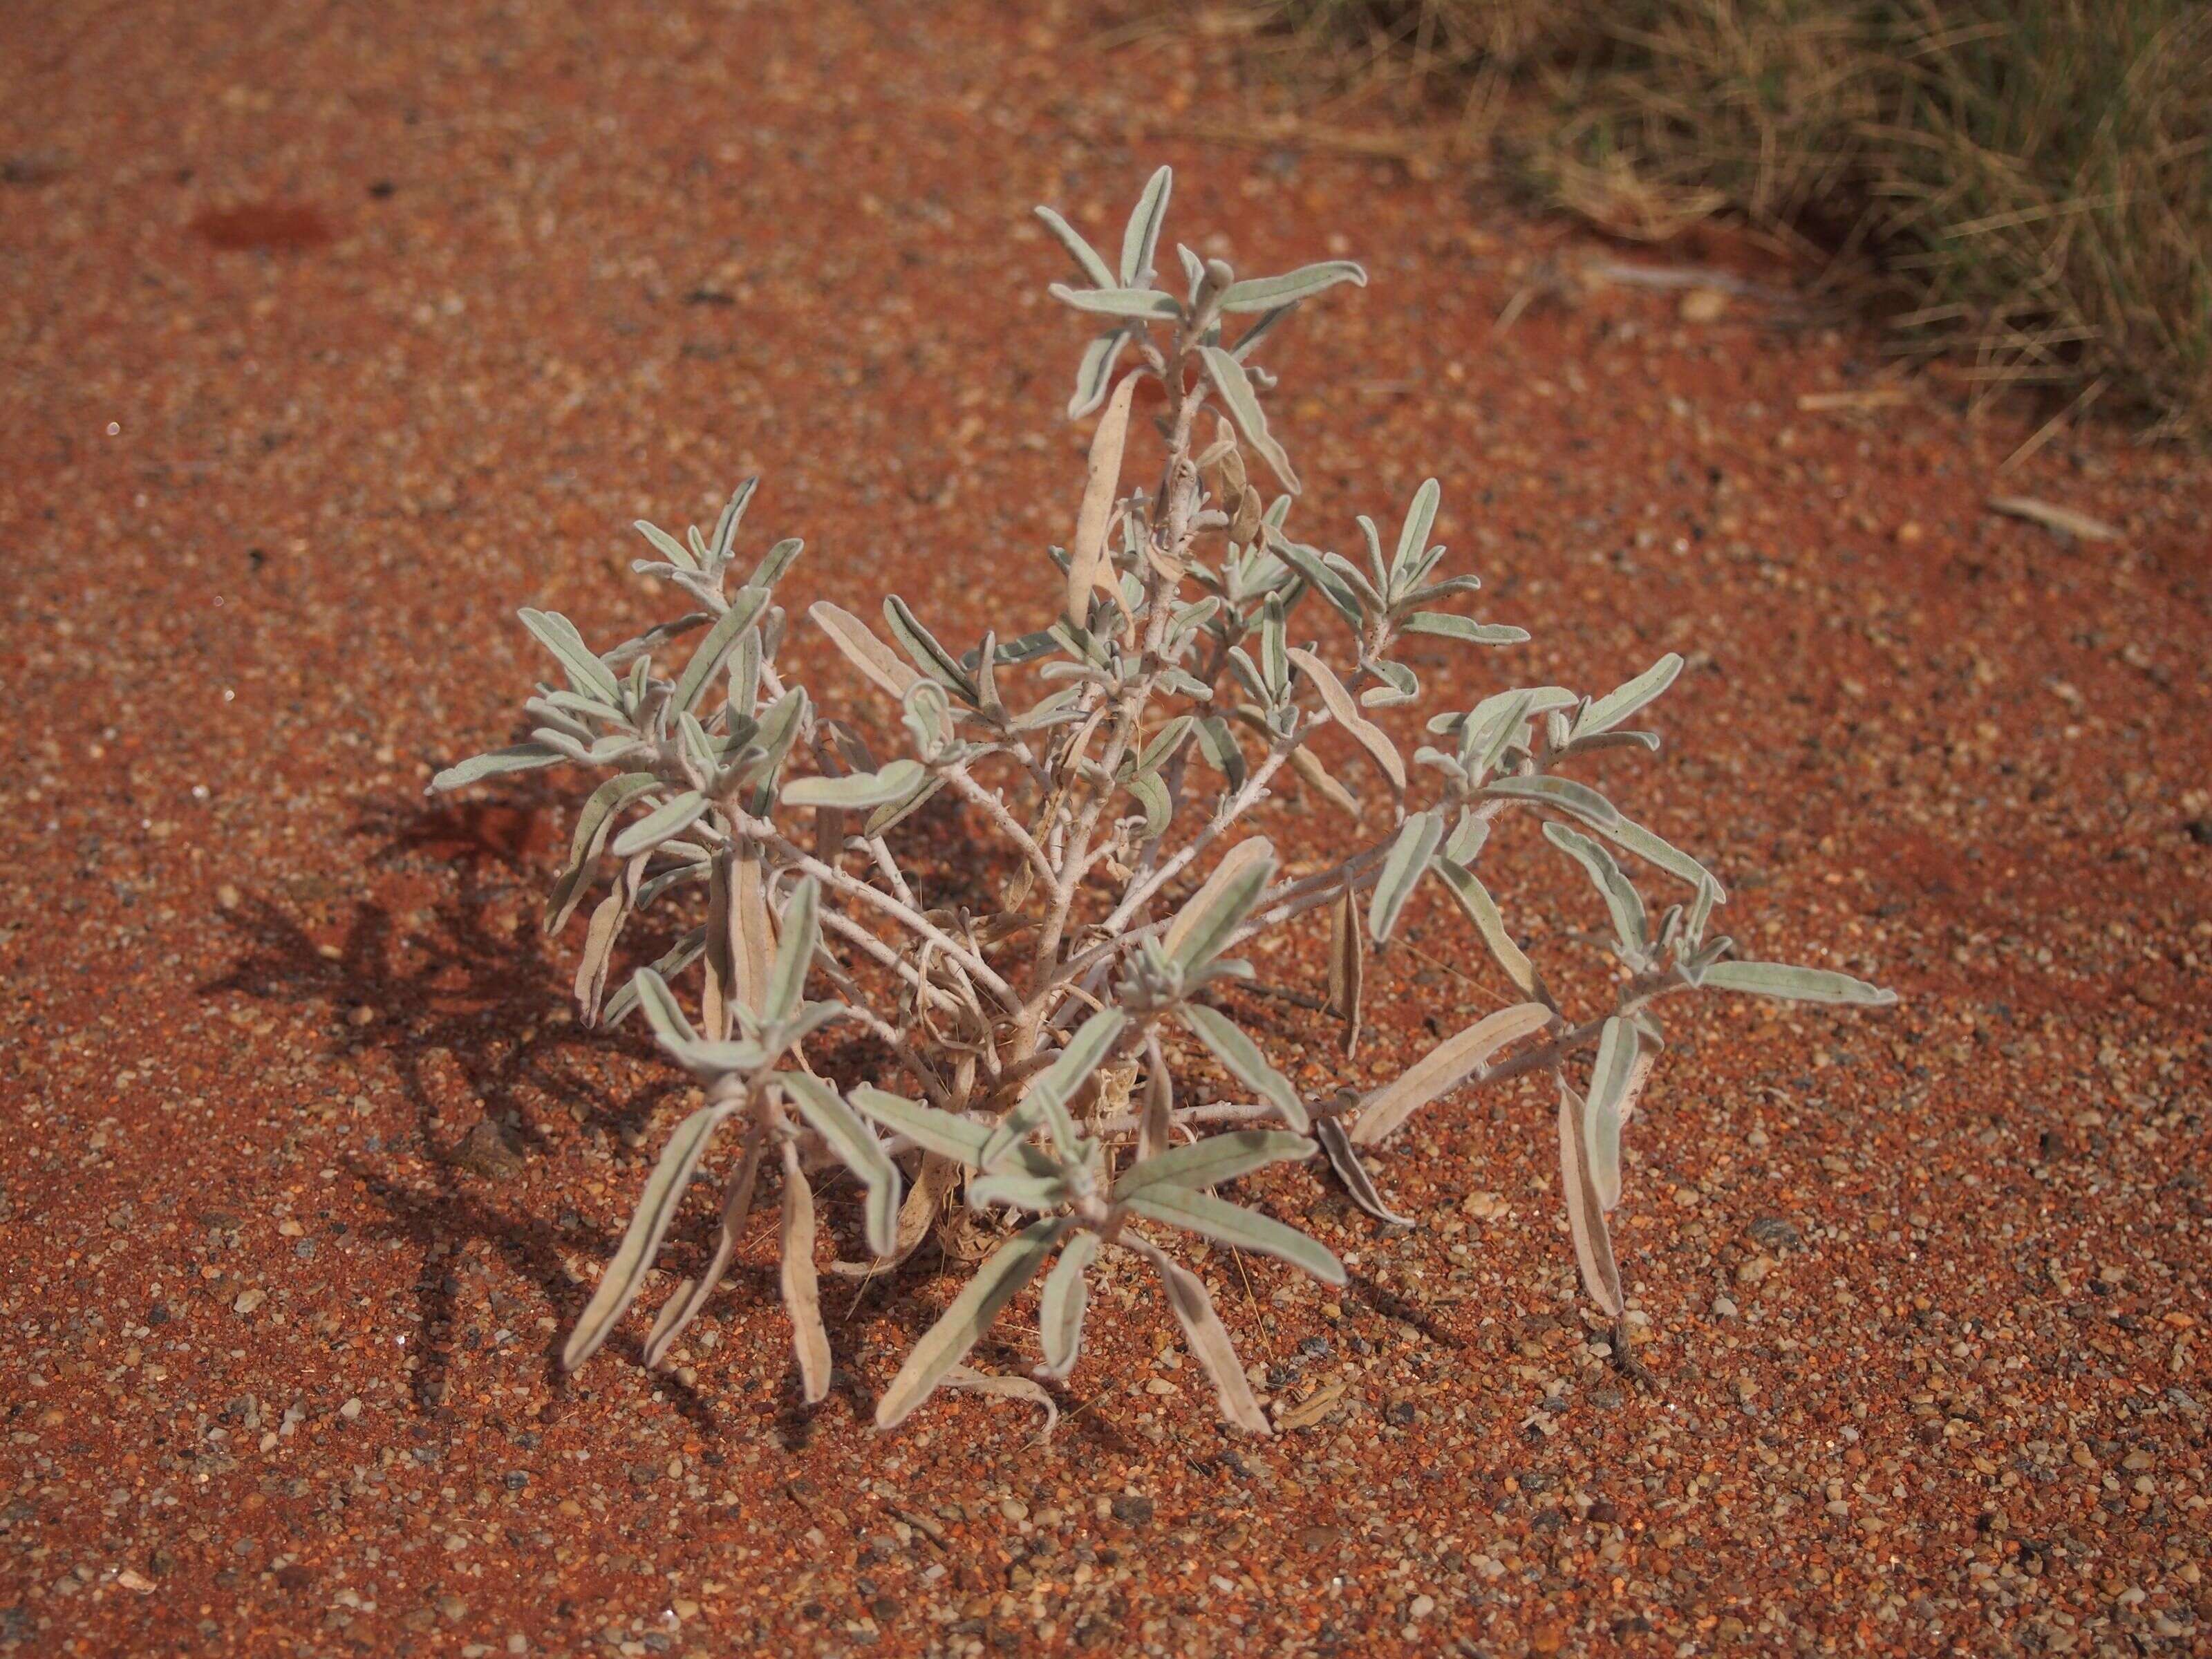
(1116, 757)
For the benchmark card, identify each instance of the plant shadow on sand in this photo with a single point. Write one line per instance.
(464, 1002)
(469, 1008)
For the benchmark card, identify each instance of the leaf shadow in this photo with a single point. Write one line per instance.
(465, 1005)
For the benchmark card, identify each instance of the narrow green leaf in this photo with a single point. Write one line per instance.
(1443, 1068)
(584, 671)
(1094, 375)
(776, 561)
(1086, 256)
(666, 821)
(800, 936)
(934, 1130)
(667, 545)
(515, 758)
(619, 1285)
(1237, 1051)
(721, 639)
(859, 1151)
(1413, 535)
(1203, 926)
(1324, 579)
(670, 1023)
(1402, 869)
(1633, 837)
(948, 1342)
(896, 781)
(1213, 1160)
(1481, 909)
(1443, 625)
(1061, 1307)
(1631, 923)
(593, 823)
(1147, 303)
(1370, 736)
(1563, 795)
(1140, 239)
(919, 643)
(1151, 792)
(1218, 745)
(1265, 293)
(1615, 707)
(686, 951)
(1019, 1192)
(1774, 979)
(1230, 1224)
(1244, 404)
(1618, 1047)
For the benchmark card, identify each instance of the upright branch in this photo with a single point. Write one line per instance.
(1122, 756)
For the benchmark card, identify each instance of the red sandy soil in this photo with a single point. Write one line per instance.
(334, 334)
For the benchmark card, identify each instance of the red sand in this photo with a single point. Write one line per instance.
(333, 337)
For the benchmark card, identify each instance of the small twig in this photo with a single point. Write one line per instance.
(1626, 1363)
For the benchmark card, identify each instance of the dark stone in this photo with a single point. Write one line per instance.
(1134, 1512)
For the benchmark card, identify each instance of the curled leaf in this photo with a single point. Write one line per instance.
(1209, 1342)
(862, 649)
(1141, 239)
(962, 1379)
(1347, 966)
(1619, 1051)
(802, 1294)
(1228, 374)
(1585, 1214)
(1344, 1158)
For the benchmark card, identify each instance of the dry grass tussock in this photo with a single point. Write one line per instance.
(2028, 181)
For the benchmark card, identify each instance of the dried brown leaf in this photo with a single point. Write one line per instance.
(1088, 568)
(1444, 1067)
